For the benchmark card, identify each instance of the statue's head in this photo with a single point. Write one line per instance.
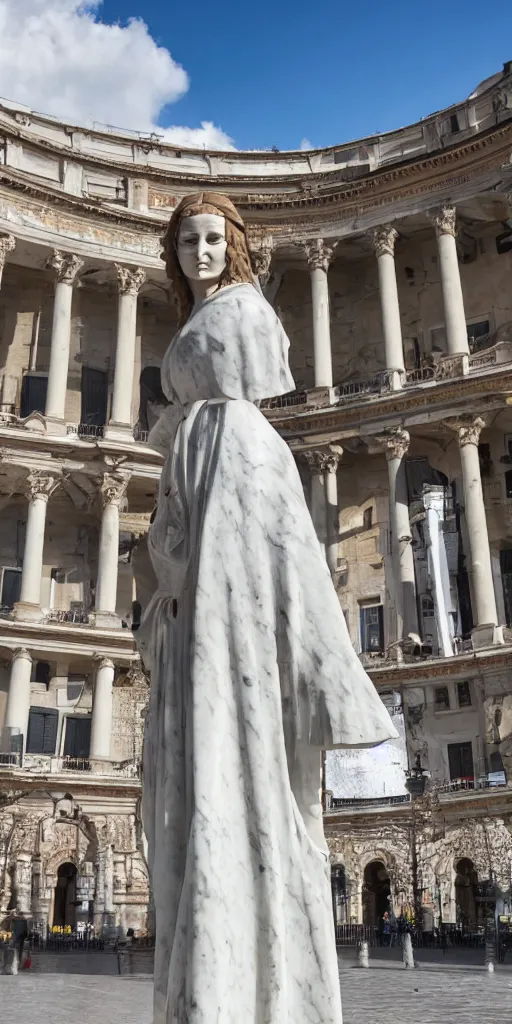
(205, 242)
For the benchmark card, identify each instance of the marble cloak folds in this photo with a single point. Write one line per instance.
(252, 674)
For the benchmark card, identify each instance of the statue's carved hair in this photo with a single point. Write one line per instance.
(238, 261)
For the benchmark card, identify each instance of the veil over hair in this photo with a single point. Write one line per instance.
(238, 262)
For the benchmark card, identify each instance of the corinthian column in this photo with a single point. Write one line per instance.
(396, 446)
(101, 724)
(383, 239)
(66, 267)
(18, 697)
(454, 315)
(112, 490)
(39, 486)
(323, 466)
(130, 280)
(319, 256)
(468, 430)
(7, 244)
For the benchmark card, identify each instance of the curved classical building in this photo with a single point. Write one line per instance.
(389, 260)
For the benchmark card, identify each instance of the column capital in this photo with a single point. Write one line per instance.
(319, 254)
(323, 461)
(102, 662)
(395, 443)
(21, 652)
(65, 266)
(261, 252)
(130, 279)
(383, 239)
(112, 488)
(40, 484)
(444, 220)
(7, 244)
(467, 428)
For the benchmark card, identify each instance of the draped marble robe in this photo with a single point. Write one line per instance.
(252, 675)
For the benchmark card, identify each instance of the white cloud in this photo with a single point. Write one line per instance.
(306, 144)
(57, 57)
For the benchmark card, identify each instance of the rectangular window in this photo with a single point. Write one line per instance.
(372, 629)
(442, 698)
(94, 397)
(33, 394)
(78, 736)
(42, 731)
(464, 695)
(478, 335)
(460, 761)
(11, 587)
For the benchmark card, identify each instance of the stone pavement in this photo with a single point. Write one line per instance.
(384, 994)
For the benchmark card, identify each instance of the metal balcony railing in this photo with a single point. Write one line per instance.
(75, 616)
(41, 764)
(372, 385)
(140, 434)
(285, 401)
(360, 803)
(86, 431)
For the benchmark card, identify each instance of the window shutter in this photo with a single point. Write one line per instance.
(78, 736)
(51, 721)
(33, 395)
(42, 731)
(94, 396)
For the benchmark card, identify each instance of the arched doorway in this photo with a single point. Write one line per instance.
(466, 879)
(64, 906)
(376, 892)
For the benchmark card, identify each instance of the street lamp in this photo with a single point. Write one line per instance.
(415, 782)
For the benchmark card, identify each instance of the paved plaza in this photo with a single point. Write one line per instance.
(384, 994)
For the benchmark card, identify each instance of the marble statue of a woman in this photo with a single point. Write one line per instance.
(252, 670)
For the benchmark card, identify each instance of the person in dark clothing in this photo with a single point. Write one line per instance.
(19, 932)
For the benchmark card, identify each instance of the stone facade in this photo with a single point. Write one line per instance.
(389, 262)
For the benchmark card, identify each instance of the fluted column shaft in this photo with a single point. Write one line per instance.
(396, 445)
(383, 239)
(66, 267)
(454, 315)
(112, 490)
(130, 281)
(39, 487)
(101, 724)
(468, 435)
(324, 501)
(18, 698)
(319, 256)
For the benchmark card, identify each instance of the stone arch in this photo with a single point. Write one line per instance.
(376, 897)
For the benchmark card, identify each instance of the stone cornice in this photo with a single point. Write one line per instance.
(462, 665)
(345, 417)
(451, 168)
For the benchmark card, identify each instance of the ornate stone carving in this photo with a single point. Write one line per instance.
(323, 461)
(7, 244)
(65, 265)
(383, 240)
(130, 279)
(112, 488)
(261, 259)
(40, 484)
(21, 652)
(102, 662)
(396, 443)
(319, 255)
(445, 220)
(468, 429)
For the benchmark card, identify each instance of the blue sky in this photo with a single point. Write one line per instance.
(271, 73)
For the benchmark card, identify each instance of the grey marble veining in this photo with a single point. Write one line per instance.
(252, 675)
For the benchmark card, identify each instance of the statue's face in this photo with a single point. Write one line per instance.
(202, 247)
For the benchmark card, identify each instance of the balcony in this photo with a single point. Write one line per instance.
(41, 764)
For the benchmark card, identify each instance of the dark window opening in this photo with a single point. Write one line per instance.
(11, 587)
(372, 629)
(152, 398)
(460, 760)
(484, 455)
(464, 695)
(94, 397)
(33, 394)
(42, 730)
(508, 483)
(478, 335)
(454, 123)
(77, 738)
(368, 518)
(506, 579)
(442, 698)
(42, 673)
(496, 762)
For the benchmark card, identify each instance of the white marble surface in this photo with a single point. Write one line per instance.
(372, 773)
(252, 673)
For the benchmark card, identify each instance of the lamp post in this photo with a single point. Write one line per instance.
(415, 782)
